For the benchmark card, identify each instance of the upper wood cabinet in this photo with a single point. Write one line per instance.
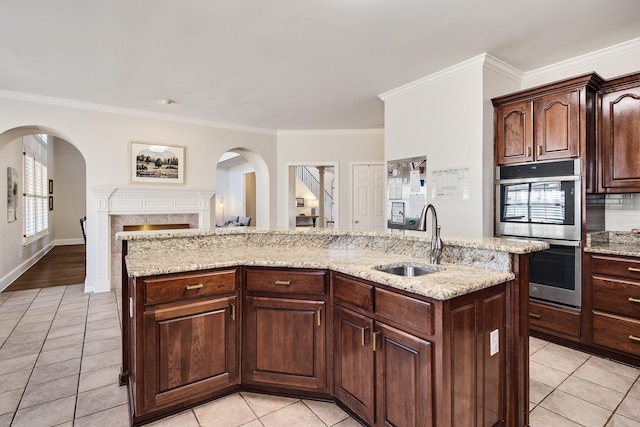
(619, 135)
(555, 121)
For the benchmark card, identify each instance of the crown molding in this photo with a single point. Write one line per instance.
(82, 105)
(502, 68)
(589, 60)
(469, 64)
(331, 132)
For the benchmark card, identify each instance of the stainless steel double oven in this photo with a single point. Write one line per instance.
(543, 201)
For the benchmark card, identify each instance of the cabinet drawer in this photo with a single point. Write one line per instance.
(616, 296)
(405, 310)
(178, 287)
(352, 292)
(543, 317)
(617, 333)
(286, 281)
(628, 268)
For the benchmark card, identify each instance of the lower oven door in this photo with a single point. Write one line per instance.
(555, 274)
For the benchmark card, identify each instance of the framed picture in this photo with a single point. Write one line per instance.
(12, 194)
(156, 163)
(299, 202)
(50, 186)
(50, 203)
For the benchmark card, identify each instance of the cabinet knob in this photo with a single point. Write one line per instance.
(192, 287)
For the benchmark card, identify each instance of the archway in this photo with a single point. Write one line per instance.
(234, 195)
(66, 170)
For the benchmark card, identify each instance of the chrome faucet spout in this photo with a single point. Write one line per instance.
(436, 243)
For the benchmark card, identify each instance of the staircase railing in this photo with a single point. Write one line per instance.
(312, 183)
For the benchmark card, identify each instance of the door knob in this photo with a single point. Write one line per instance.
(357, 221)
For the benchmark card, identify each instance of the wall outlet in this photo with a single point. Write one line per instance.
(494, 338)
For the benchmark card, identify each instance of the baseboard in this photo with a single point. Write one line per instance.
(67, 242)
(10, 277)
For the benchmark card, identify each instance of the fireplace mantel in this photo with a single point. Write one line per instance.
(108, 201)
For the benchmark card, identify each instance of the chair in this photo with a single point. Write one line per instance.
(82, 226)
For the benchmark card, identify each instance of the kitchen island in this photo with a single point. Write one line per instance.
(310, 313)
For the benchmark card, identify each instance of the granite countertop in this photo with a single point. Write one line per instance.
(448, 282)
(354, 253)
(614, 243)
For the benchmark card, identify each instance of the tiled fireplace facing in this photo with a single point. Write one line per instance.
(116, 207)
(119, 221)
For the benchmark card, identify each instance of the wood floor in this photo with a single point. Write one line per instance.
(62, 265)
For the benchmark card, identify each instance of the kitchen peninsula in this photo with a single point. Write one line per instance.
(310, 313)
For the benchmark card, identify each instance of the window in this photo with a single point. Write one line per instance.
(36, 207)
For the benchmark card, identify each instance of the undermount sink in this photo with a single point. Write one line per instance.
(408, 270)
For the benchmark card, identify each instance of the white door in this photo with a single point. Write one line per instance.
(368, 198)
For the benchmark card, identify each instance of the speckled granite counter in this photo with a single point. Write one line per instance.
(467, 264)
(613, 243)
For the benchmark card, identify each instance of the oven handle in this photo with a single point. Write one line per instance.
(538, 179)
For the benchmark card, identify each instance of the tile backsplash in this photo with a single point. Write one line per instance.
(622, 211)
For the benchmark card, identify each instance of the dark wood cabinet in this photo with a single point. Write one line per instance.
(185, 333)
(615, 288)
(404, 379)
(354, 367)
(619, 136)
(285, 329)
(404, 361)
(550, 122)
(514, 133)
(555, 320)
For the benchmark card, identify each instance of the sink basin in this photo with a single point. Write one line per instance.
(408, 270)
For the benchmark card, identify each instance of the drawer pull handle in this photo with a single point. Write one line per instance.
(192, 287)
(375, 340)
(535, 316)
(634, 338)
(528, 151)
(233, 312)
(364, 335)
(634, 269)
(539, 150)
(283, 282)
(633, 299)
(318, 317)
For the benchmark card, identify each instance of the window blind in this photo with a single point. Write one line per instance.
(36, 213)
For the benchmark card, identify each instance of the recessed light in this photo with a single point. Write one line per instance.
(167, 101)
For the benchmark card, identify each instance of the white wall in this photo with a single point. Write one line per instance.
(69, 192)
(325, 148)
(442, 117)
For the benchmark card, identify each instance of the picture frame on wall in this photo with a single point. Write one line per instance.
(299, 202)
(12, 194)
(155, 163)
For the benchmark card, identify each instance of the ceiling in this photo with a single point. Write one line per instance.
(282, 64)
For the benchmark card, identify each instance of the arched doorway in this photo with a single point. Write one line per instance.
(242, 188)
(66, 175)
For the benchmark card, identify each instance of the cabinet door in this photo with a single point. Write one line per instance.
(514, 133)
(192, 351)
(557, 126)
(285, 343)
(404, 379)
(620, 140)
(354, 362)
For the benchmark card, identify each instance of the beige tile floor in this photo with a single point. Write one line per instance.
(60, 356)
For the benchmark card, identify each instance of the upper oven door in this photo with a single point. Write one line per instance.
(545, 207)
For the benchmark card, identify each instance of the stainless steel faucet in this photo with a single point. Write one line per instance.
(436, 243)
